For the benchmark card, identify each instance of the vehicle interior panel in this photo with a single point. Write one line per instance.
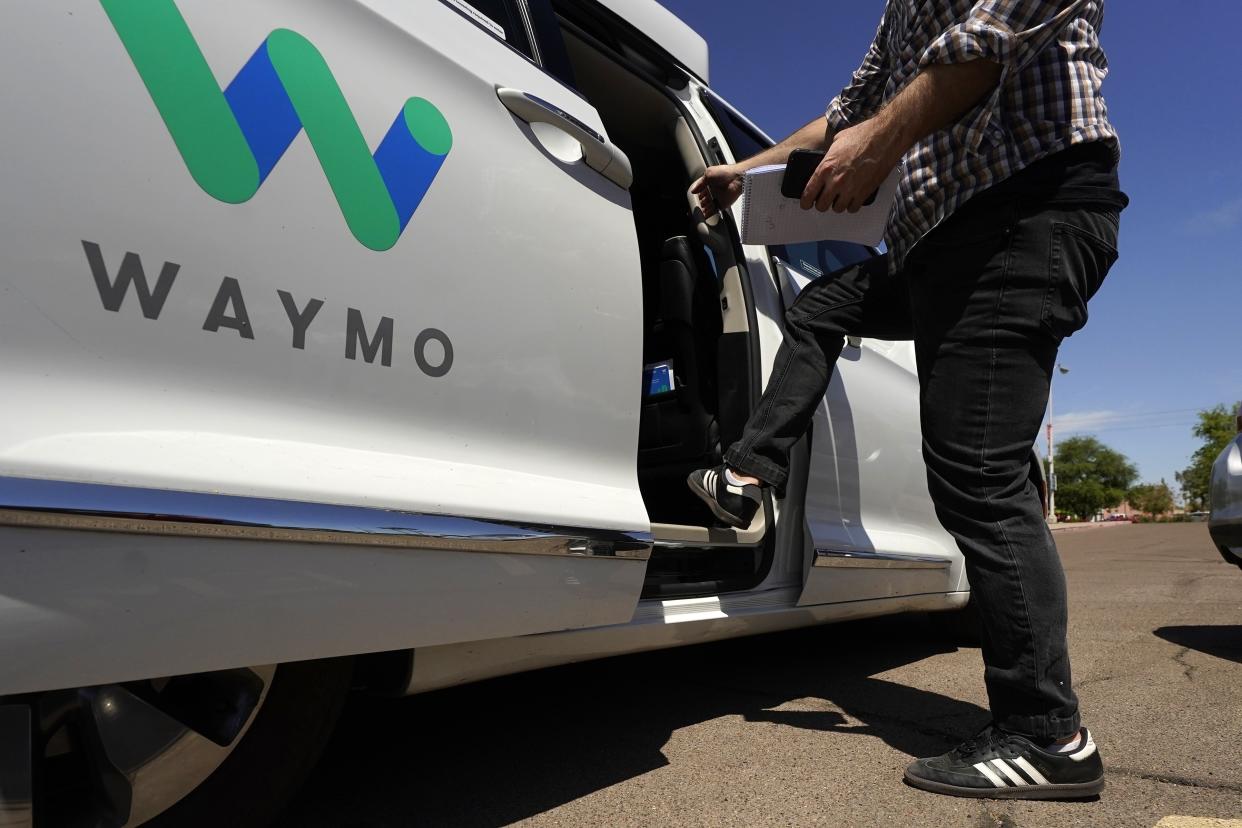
(682, 320)
(694, 323)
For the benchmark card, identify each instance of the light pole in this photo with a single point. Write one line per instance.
(1052, 474)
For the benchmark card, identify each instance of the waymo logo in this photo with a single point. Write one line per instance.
(231, 139)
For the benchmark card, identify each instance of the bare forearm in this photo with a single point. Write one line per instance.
(721, 186)
(862, 155)
(816, 135)
(937, 97)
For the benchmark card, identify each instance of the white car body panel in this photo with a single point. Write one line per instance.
(656, 625)
(520, 253)
(77, 610)
(667, 31)
(867, 491)
(310, 424)
(115, 398)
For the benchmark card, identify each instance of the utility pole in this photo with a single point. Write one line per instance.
(1052, 472)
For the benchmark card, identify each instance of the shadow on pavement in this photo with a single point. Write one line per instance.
(1222, 641)
(496, 752)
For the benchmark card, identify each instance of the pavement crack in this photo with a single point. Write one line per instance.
(1173, 779)
(1185, 582)
(1188, 670)
(1078, 685)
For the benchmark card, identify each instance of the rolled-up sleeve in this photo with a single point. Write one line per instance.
(1008, 32)
(864, 94)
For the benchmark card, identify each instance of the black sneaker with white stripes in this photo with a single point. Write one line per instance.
(735, 505)
(1001, 765)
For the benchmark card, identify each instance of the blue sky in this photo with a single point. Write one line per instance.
(1164, 336)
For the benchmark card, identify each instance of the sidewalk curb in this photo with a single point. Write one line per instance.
(1101, 524)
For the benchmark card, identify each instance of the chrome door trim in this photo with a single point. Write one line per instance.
(877, 560)
(98, 507)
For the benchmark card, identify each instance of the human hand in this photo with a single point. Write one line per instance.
(718, 188)
(855, 165)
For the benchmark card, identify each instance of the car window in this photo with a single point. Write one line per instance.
(500, 18)
(742, 138)
(813, 259)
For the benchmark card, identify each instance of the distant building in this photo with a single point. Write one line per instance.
(1124, 511)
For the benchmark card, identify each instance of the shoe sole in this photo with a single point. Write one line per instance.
(1069, 790)
(716, 508)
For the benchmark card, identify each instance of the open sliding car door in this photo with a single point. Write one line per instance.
(329, 342)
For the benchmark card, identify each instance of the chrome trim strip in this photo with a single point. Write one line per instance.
(98, 507)
(878, 560)
(531, 36)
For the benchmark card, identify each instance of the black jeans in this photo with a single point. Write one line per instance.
(987, 297)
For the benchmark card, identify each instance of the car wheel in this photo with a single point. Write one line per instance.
(221, 748)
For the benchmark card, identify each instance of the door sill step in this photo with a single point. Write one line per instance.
(676, 534)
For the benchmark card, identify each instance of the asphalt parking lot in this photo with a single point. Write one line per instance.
(814, 727)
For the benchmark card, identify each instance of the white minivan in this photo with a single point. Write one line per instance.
(369, 344)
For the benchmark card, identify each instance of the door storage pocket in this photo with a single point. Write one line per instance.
(1079, 259)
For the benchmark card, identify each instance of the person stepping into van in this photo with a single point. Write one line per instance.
(1004, 227)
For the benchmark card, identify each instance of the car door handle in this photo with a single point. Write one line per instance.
(598, 153)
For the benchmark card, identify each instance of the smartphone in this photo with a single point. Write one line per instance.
(800, 167)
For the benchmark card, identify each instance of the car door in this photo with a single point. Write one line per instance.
(869, 514)
(393, 266)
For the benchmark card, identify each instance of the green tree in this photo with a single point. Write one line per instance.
(1216, 427)
(1091, 476)
(1153, 498)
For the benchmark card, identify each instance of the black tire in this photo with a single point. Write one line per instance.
(282, 745)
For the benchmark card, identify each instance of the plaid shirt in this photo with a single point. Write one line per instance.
(1048, 97)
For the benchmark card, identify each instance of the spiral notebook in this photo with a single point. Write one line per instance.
(770, 218)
